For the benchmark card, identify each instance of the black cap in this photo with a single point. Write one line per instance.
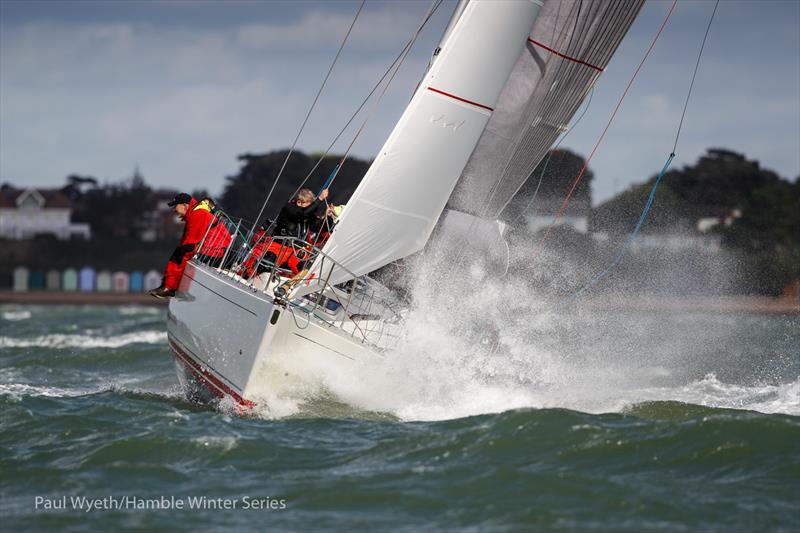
(180, 198)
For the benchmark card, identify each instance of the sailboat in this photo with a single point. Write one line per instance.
(504, 81)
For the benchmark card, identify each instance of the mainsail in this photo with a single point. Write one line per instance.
(509, 76)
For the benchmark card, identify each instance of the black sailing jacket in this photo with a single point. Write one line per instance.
(296, 221)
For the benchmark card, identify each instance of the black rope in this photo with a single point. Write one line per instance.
(395, 66)
(305, 121)
(694, 74)
(623, 249)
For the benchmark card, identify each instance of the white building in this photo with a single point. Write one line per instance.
(543, 211)
(675, 242)
(723, 217)
(27, 213)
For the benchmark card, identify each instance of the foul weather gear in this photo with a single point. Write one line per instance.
(198, 217)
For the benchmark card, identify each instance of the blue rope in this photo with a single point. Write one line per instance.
(624, 248)
(330, 178)
(632, 236)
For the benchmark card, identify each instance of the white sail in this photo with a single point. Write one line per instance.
(394, 209)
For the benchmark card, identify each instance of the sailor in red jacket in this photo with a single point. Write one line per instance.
(197, 216)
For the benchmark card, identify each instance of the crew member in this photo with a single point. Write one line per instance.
(298, 217)
(217, 239)
(197, 217)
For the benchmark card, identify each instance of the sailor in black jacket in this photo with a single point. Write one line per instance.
(301, 215)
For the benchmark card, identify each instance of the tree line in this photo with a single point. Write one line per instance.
(763, 207)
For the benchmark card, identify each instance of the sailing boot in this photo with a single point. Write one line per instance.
(162, 292)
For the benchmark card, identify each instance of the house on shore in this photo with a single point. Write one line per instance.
(541, 213)
(27, 213)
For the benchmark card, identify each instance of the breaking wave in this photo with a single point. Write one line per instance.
(14, 316)
(135, 310)
(476, 348)
(17, 391)
(59, 340)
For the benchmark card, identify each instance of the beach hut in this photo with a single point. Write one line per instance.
(86, 279)
(36, 281)
(53, 280)
(120, 282)
(136, 281)
(21, 275)
(103, 282)
(69, 281)
(152, 280)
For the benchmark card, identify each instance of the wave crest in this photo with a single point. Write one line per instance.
(60, 340)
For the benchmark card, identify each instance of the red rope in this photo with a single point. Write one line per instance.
(608, 125)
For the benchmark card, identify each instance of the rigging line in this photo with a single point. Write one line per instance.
(347, 124)
(621, 252)
(649, 203)
(694, 74)
(577, 180)
(399, 57)
(550, 155)
(310, 110)
(432, 9)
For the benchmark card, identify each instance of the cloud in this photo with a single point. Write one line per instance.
(374, 30)
(182, 102)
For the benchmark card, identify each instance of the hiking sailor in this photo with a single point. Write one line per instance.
(197, 217)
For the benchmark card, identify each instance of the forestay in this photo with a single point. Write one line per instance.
(393, 211)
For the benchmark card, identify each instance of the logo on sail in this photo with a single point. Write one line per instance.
(441, 119)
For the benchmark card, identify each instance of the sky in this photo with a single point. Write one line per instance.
(180, 88)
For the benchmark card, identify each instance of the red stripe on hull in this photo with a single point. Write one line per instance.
(207, 377)
(196, 381)
(454, 97)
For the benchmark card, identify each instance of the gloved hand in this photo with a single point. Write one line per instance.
(180, 252)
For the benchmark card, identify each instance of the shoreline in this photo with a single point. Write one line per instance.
(672, 304)
(78, 298)
(739, 304)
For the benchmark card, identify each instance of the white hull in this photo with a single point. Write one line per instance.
(233, 341)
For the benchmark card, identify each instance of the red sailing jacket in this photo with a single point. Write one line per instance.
(198, 217)
(217, 239)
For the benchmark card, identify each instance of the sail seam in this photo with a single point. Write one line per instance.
(559, 54)
(476, 104)
(395, 211)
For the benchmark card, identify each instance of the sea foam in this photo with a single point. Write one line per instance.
(14, 316)
(60, 340)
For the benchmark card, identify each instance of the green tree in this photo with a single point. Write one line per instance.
(246, 191)
(114, 209)
(771, 220)
(720, 182)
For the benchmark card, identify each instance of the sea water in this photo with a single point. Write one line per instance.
(556, 419)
